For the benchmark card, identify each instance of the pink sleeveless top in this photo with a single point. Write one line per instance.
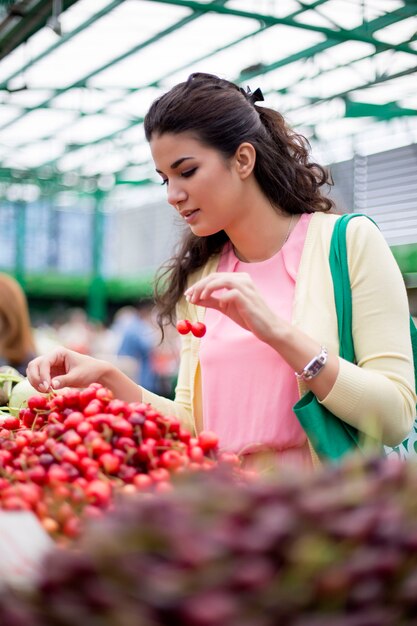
(248, 389)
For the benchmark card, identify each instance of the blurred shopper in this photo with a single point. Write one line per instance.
(166, 357)
(122, 319)
(76, 332)
(17, 345)
(253, 264)
(138, 339)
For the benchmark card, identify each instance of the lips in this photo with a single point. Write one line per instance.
(188, 215)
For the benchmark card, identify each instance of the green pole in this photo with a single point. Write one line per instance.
(96, 300)
(20, 241)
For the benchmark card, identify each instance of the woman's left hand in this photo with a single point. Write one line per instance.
(235, 295)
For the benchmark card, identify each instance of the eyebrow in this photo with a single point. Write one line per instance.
(177, 163)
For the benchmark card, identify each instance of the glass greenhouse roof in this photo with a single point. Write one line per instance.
(77, 76)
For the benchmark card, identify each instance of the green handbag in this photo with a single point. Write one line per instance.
(330, 436)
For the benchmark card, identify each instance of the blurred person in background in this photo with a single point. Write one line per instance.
(166, 358)
(76, 332)
(133, 334)
(17, 344)
(122, 319)
(137, 338)
(253, 265)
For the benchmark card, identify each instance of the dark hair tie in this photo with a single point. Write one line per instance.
(256, 96)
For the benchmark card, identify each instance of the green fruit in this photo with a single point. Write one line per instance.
(9, 376)
(20, 396)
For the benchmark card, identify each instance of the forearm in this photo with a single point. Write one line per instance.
(297, 349)
(121, 385)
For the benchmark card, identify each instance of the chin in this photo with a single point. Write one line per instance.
(204, 231)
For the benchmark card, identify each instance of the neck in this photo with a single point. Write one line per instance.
(259, 240)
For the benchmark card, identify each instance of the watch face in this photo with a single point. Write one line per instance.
(313, 368)
(316, 367)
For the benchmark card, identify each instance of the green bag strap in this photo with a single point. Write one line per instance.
(341, 285)
(413, 332)
(343, 294)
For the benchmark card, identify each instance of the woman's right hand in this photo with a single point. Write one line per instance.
(64, 368)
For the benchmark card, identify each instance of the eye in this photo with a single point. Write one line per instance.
(189, 173)
(164, 181)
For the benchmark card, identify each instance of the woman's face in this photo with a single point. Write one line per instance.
(205, 189)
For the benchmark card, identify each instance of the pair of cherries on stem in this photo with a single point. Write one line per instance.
(198, 329)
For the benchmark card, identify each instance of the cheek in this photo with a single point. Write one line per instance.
(220, 182)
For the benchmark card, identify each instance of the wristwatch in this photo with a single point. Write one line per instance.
(314, 367)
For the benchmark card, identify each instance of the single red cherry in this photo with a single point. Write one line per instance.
(208, 440)
(198, 329)
(183, 326)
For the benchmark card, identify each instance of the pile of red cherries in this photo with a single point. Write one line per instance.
(69, 454)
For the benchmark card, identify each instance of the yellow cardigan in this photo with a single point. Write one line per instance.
(377, 395)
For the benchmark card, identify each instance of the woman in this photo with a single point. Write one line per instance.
(17, 346)
(254, 267)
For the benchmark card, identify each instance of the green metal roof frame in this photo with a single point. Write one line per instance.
(22, 20)
(25, 18)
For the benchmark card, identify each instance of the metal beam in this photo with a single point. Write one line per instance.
(344, 94)
(82, 82)
(385, 111)
(355, 34)
(63, 39)
(33, 20)
(156, 82)
(131, 90)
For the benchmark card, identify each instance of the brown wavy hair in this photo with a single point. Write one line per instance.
(222, 116)
(17, 345)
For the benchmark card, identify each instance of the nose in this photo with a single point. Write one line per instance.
(176, 195)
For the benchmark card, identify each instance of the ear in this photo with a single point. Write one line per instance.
(245, 158)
